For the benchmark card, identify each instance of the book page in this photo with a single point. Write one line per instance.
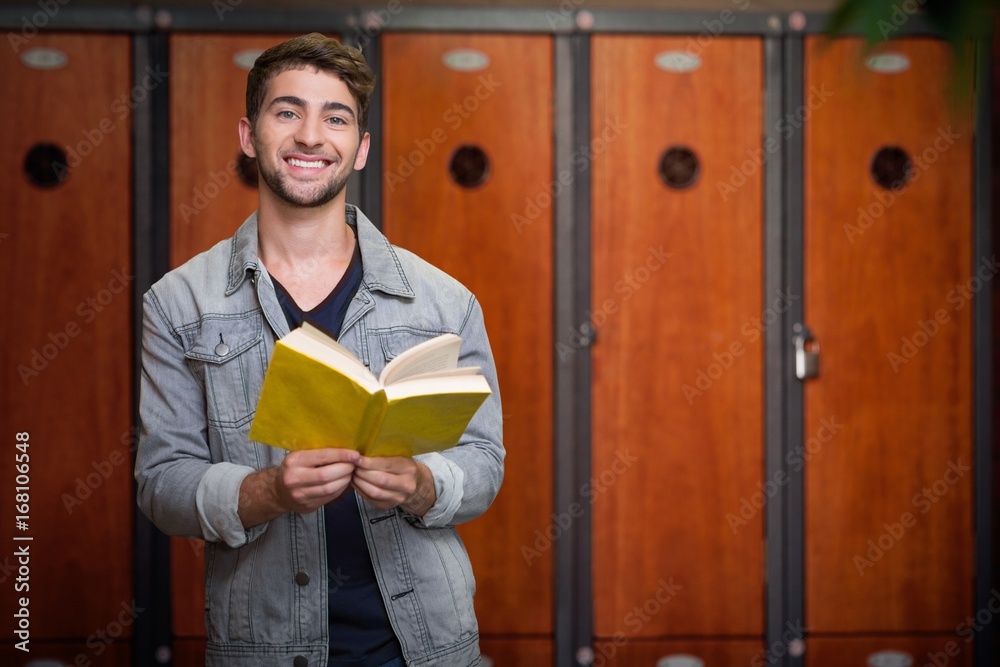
(437, 354)
(312, 342)
(430, 420)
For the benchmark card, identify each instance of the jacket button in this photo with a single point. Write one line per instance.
(301, 579)
(300, 661)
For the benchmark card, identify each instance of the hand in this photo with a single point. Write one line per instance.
(310, 478)
(395, 481)
(305, 481)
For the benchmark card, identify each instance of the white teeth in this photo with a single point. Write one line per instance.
(317, 164)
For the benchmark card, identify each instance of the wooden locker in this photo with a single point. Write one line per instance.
(212, 191)
(711, 653)
(212, 184)
(490, 225)
(678, 310)
(66, 258)
(928, 650)
(888, 494)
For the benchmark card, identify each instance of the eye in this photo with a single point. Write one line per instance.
(286, 114)
(337, 120)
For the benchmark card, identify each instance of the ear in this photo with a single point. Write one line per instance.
(246, 137)
(361, 159)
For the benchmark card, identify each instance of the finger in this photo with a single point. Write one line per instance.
(313, 497)
(308, 477)
(401, 486)
(389, 463)
(376, 495)
(311, 458)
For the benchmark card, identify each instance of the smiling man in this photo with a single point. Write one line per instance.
(320, 557)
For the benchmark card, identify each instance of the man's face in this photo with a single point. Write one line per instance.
(306, 138)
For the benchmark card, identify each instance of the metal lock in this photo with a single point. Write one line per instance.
(806, 353)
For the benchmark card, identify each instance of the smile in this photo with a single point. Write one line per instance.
(304, 164)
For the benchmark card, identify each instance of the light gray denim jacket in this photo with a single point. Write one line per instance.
(266, 588)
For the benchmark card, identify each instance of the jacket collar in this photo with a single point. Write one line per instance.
(382, 269)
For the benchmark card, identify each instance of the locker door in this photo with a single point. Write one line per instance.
(212, 184)
(889, 275)
(65, 257)
(212, 191)
(678, 312)
(468, 164)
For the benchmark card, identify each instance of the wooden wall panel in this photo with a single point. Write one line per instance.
(947, 649)
(644, 653)
(207, 99)
(677, 363)
(208, 202)
(513, 652)
(65, 261)
(889, 538)
(501, 248)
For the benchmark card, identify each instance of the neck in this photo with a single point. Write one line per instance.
(289, 236)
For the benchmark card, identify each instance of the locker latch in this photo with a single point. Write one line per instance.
(806, 353)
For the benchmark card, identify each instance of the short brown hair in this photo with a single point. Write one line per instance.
(312, 50)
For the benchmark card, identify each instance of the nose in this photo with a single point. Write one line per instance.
(309, 132)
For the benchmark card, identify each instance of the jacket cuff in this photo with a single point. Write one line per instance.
(449, 480)
(218, 503)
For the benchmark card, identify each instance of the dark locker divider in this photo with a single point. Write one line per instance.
(467, 185)
(888, 263)
(65, 252)
(679, 314)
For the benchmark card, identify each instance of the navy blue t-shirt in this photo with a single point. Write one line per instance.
(360, 633)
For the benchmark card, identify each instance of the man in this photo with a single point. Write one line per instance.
(325, 556)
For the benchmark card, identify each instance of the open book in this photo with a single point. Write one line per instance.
(318, 394)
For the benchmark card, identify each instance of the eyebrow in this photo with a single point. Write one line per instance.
(301, 103)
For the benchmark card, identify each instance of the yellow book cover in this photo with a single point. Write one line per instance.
(318, 394)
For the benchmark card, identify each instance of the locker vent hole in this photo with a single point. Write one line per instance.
(891, 167)
(679, 167)
(469, 166)
(246, 169)
(45, 165)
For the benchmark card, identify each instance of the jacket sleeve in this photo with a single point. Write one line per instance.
(467, 477)
(179, 488)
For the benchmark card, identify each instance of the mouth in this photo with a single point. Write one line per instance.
(309, 165)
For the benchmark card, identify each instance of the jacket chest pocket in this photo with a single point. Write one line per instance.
(394, 341)
(228, 351)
